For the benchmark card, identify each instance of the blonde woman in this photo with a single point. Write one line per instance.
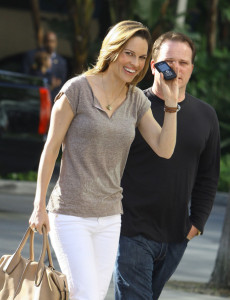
(94, 118)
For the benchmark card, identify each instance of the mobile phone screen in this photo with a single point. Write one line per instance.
(163, 67)
(168, 72)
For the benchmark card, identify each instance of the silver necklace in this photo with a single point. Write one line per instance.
(109, 106)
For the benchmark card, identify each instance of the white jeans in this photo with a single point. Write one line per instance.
(86, 250)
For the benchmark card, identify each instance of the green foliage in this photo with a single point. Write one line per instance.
(210, 82)
(225, 9)
(226, 14)
(27, 176)
(147, 11)
(224, 181)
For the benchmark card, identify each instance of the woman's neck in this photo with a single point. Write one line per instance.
(110, 82)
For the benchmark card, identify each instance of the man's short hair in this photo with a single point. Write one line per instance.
(172, 36)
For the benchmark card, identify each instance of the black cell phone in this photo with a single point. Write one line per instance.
(167, 71)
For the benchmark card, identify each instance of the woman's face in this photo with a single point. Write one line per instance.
(131, 60)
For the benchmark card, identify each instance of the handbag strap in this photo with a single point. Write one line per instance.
(15, 258)
(29, 233)
(41, 265)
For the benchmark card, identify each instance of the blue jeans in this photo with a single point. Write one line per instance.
(144, 266)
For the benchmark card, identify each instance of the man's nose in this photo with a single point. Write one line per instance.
(174, 64)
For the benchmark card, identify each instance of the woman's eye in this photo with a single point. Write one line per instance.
(129, 53)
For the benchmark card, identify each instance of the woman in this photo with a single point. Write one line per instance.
(94, 118)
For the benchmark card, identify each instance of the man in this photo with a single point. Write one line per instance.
(157, 224)
(58, 70)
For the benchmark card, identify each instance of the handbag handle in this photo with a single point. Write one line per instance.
(41, 265)
(15, 258)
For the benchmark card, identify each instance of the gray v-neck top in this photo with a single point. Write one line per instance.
(95, 151)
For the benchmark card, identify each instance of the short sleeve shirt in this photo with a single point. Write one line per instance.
(95, 150)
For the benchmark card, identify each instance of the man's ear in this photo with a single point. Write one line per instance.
(192, 67)
(152, 66)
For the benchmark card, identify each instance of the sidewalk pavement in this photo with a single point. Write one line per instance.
(197, 263)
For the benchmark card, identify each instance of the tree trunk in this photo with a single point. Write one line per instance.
(35, 10)
(159, 29)
(80, 13)
(220, 277)
(212, 23)
(119, 10)
(181, 12)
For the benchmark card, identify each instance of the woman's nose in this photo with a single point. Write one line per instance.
(135, 62)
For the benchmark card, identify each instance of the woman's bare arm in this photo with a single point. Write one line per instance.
(61, 118)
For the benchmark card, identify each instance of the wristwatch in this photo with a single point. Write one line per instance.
(198, 232)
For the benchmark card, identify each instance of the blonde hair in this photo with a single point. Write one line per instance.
(114, 43)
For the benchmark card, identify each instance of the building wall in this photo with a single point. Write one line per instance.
(17, 34)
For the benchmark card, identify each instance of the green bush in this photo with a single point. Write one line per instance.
(210, 83)
(224, 181)
(27, 176)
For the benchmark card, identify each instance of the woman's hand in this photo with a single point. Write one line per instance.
(38, 218)
(170, 89)
(162, 140)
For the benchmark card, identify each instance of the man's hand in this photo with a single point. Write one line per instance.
(193, 232)
(55, 82)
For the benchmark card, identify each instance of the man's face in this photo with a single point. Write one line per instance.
(179, 56)
(50, 43)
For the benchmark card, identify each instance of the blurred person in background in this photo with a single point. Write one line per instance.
(41, 65)
(58, 68)
(167, 202)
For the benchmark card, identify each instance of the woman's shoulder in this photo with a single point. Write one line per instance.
(137, 93)
(72, 88)
(74, 81)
